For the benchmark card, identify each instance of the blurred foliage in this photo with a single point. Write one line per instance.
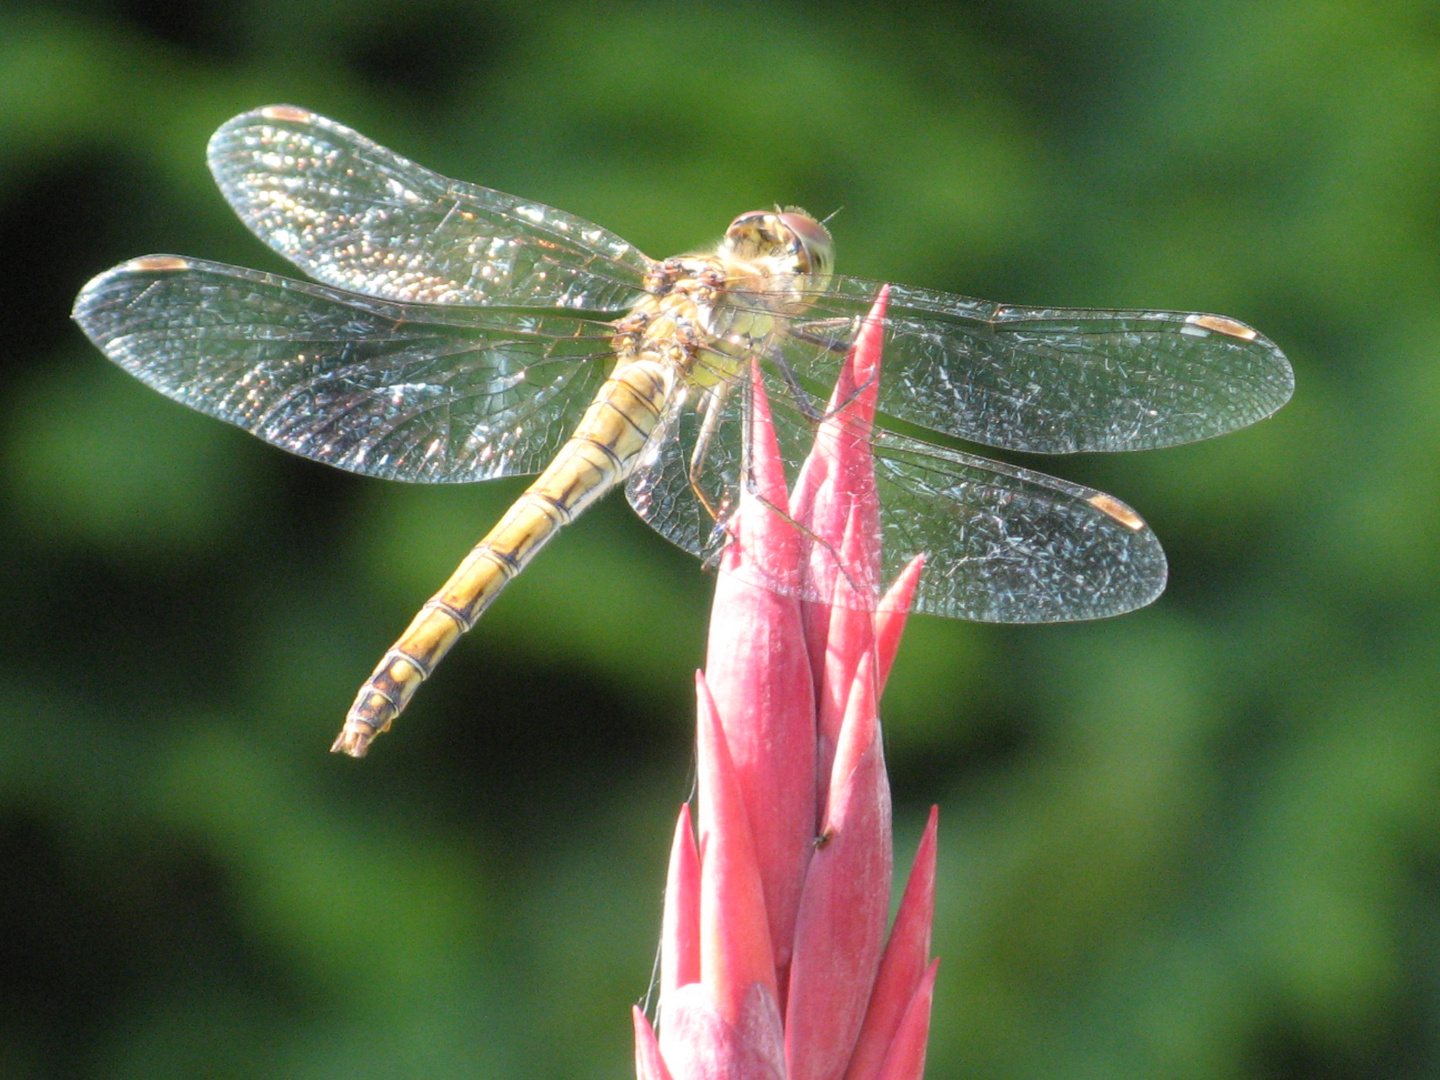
(1199, 841)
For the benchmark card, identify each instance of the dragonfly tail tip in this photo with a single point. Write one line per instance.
(353, 741)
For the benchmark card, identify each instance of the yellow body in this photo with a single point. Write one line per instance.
(658, 347)
(598, 456)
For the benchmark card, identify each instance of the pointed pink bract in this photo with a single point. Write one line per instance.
(841, 928)
(758, 669)
(649, 1064)
(906, 1057)
(903, 965)
(735, 952)
(680, 924)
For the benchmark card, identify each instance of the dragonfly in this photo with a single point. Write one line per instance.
(459, 334)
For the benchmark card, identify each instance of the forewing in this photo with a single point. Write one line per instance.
(419, 393)
(355, 215)
(1001, 543)
(1047, 380)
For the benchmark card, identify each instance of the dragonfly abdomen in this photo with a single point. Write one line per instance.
(604, 449)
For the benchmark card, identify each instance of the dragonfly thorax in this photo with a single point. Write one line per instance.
(725, 304)
(675, 321)
(706, 316)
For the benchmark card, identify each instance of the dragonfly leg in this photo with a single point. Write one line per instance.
(714, 402)
(803, 400)
(832, 558)
(829, 344)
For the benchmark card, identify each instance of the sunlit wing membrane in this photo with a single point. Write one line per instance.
(1002, 544)
(355, 215)
(660, 489)
(417, 393)
(1046, 380)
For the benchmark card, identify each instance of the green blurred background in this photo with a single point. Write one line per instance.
(1198, 841)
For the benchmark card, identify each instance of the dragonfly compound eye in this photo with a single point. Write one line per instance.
(816, 246)
(792, 232)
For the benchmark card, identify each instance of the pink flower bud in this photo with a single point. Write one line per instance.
(774, 962)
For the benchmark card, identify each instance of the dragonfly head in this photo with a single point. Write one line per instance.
(789, 234)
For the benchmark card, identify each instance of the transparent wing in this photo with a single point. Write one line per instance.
(1046, 380)
(355, 215)
(428, 394)
(1005, 544)
(1002, 544)
(663, 490)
